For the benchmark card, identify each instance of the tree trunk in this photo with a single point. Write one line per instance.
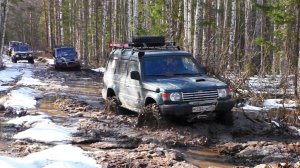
(189, 26)
(104, 19)
(129, 20)
(197, 34)
(3, 20)
(232, 36)
(297, 52)
(185, 22)
(62, 38)
(135, 18)
(225, 29)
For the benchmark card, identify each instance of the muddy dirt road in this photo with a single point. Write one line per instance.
(73, 99)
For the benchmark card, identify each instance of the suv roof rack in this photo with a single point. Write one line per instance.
(149, 42)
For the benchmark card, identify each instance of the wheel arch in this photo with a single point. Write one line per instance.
(110, 92)
(149, 100)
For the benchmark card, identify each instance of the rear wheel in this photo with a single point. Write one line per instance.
(112, 105)
(150, 116)
(225, 117)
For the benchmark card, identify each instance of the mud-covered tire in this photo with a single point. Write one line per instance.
(225, 117)
(31, 61)
(56, 68)
(150, 41)
(112, 105)
(78, 68)
(13, 60)
(150, 116)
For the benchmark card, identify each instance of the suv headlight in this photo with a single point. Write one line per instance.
(171, 96)
(175, 96)
(17, 55)
(222, 93)
(29, 55)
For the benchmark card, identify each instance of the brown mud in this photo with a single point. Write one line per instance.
(73, 98)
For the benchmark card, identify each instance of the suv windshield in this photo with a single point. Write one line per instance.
(170, 66)
(22, 48)
(66, 52)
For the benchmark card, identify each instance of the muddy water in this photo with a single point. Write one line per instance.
(206, 158)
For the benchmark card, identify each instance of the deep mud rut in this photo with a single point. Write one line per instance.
(73, 98)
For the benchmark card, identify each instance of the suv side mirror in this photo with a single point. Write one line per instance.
(135, 75)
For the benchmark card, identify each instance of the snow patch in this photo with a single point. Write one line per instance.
(101, 69)
(4, 88)
(47, 132)
(29, 120)
(297, 130)
(277, 103)
(62, 156)
(27, 80)
(50, 61)
(276, 123)
(250, 108)
(23, 98)
(9, 75)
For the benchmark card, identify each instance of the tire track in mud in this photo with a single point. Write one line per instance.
(75, 99)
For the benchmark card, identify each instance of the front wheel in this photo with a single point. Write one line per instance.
(150, 116)
(31, 61)
(225, 117)
(112, 105)
(13, 60)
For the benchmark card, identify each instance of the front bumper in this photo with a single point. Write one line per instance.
(67, 64)
(23, 57)
(185, 109)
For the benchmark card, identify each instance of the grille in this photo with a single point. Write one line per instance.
(205, 96)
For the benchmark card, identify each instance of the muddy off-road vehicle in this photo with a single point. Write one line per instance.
(11, 45)
(22, 52)
(151, 75)
(65, 57)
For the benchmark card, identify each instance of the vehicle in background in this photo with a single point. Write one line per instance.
(65, 57)
(21, 52)
(150, 75)
(11, 45)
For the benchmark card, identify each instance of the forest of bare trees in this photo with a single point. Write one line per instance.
(228, 36)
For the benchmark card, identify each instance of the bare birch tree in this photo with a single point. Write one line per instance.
(3, 20)
(232, 35)
(197, 34)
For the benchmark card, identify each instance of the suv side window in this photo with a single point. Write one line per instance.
(121, 68)
(111, 65)
(133, 66)
(189, 64)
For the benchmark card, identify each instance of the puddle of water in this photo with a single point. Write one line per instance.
(47, 106)
(83, 87)
(206, 158)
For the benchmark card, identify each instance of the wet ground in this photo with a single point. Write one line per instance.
(73, 98)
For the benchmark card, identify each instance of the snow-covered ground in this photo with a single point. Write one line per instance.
(60, 156)
(101, 69)
(40, 126)
(269, 85)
